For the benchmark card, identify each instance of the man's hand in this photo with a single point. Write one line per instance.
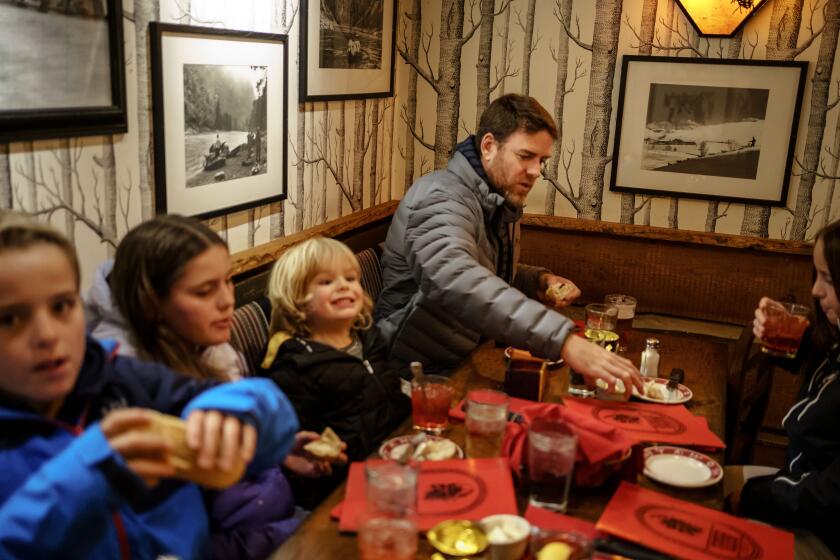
(594, 362)
(302, 463)
(570, 291)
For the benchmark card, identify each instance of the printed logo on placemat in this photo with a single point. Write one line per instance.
(711, 537)
(449, 492)
(628, 418)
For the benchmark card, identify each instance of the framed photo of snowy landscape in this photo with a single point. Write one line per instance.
(61, 69)
(347, 49)
(220, 113)
(708, 129)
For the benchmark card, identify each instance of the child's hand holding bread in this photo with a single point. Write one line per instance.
(314, 454)
(210, 449)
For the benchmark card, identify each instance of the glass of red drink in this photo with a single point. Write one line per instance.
(431, 397)
(552, 449)
(783, 329)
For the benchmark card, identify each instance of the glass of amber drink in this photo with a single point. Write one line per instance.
(783, 330)
(486, 419)
(626, 306)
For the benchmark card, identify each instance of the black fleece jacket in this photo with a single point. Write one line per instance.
(359, 399)
(806, 492)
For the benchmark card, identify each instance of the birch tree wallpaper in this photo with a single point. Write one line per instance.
(453, 58)
(567, 54)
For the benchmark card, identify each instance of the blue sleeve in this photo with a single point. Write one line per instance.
(258, 402)
(67, 500)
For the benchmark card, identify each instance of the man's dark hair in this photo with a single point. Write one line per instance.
(513, 112)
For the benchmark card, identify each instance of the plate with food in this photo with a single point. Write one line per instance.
(420, 447)
(658, 391)
(681, 467)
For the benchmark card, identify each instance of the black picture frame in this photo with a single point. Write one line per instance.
(334, 84)
(707, 129)
(257, 179)
(19, 124)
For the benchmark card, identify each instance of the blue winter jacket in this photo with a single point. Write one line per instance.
(64, 493)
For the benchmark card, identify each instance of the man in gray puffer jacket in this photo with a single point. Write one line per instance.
(450, 265)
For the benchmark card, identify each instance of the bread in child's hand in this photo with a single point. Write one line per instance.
(174, 430)
(556, 293)
(327, 447)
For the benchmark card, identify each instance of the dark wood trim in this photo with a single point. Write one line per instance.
(267, 253)
(668, 234)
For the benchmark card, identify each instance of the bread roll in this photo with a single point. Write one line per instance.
(327, 447)
(174, 430)
(557, 292)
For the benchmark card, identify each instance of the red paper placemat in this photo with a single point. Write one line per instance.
(689, 531)
(455, 489)
(545, 519)
(648, 422)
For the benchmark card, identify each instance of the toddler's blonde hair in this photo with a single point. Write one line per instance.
(291, 274)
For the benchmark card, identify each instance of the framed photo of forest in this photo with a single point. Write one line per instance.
(347, 49)
(61, 70)
(707, 129)
(220, 112)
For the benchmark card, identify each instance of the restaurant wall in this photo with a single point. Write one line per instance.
(456, 77)
(96, 188)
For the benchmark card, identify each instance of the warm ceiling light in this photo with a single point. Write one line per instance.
(719, 18)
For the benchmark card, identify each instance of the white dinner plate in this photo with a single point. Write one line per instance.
(681, 467)
(395, 447)
(680, 395)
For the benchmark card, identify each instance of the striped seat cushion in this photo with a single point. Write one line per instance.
(371, 272)
(249, 332)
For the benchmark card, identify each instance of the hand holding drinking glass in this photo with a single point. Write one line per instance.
(780, 326)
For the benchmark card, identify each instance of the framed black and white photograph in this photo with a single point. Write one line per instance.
(347, 49)
(61, 69)
(708, 129)
(220, 110)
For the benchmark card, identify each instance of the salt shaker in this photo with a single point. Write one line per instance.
(649, 366)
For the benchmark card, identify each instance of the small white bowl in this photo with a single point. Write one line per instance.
(516, 530)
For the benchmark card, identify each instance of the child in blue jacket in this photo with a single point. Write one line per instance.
(79, 481)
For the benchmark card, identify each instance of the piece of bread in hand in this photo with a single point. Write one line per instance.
(327, 447)
(174, 430)
(556, 293)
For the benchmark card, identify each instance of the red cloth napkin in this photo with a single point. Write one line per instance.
(648, 422)
(596, 440)
(689, 531)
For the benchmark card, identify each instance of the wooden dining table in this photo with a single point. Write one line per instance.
(704, 360)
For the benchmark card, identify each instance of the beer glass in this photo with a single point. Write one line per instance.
(626, 306)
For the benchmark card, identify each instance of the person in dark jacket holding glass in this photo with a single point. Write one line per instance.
(805, 493)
